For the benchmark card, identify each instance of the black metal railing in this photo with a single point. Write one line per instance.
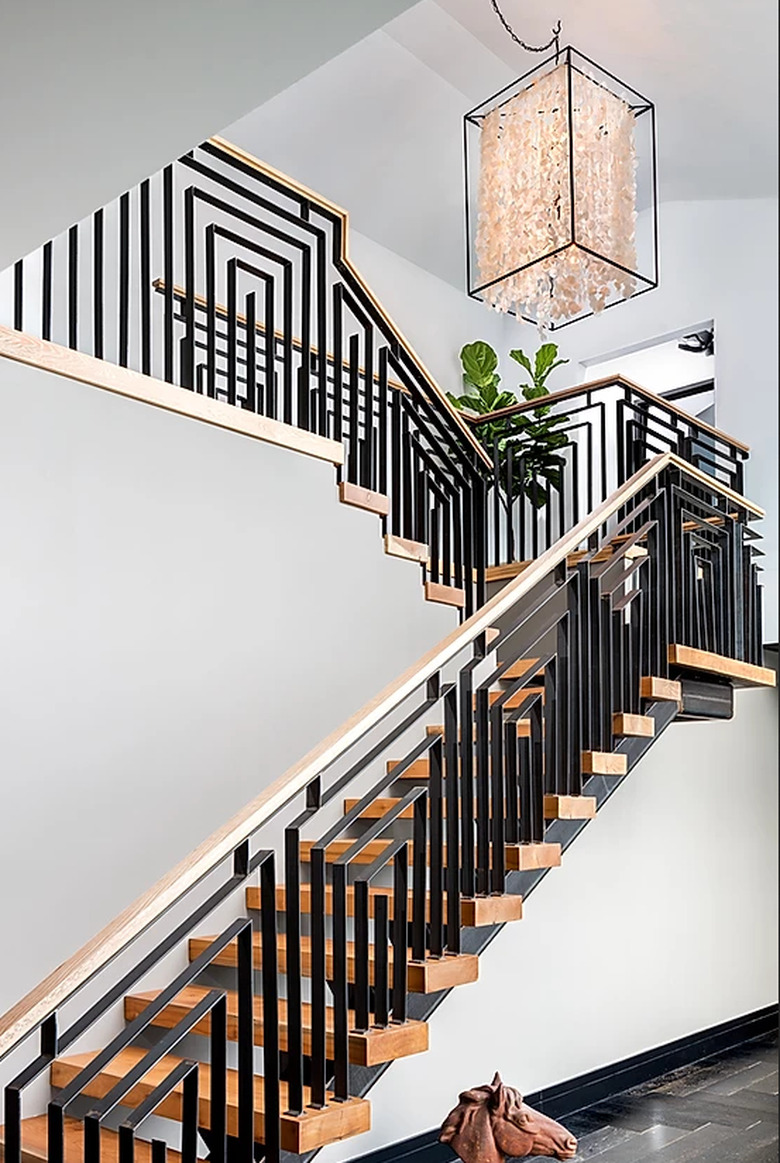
(500, 724)
(604, 432)
(222, 277)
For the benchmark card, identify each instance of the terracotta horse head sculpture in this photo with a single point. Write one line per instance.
(492, 1123)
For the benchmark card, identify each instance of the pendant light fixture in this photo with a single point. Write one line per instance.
(561, 208)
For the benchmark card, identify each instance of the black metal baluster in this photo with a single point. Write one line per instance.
(381, 974)
(146, 280)
(452, 800)
(211, 313)
(218, 1082)
(271, 1064)
(419, 884)
(124, 279)
(187, 358)
(73, 287)
(383, 405)
(287, 344)
(268, 407)
(232, 331)
(246, 1042)
(338, 362)
(497, 806)
(353, 445)
(483, 792)
(19, 295)
(250, 311)
(401, 912)
(436, 927)
(169, 307)
(340, 983)
(318, 977)
(361, 986)
(189, 1119)
(46, 290)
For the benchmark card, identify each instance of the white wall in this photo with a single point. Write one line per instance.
(96, 96)
(662, 921)
(183, 614)
(718, 262)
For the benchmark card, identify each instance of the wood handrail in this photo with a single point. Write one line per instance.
(248, 159)
(593, 385)
(26, 1015)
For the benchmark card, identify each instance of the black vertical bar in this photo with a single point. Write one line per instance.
(159, 1151)
(270, 347)
(292, 882)
(383, 405)
(497, 806)
(218, 1082)
(419, 882)
(97, 283)
(483, 791)
(124, 278)
(381, 976)
(126, 1144)
(511, 746)
(211, 313)
(338, 361)
(189, 1118)
(353, 449)
(188, 342)
(452, 800)
(398, 483)
(250, 311)
(146, 280)
(467, 781)
(18, 295)
(340, 984)
(168, 273)
(55, 1152)
(436, 938)
(73, 286)
(246, 1043)
(318, 978)
(401, 916)
(91, 1139)
(367, 476)
(12, 1143)
(232, 331)
(272, 1114)
(287, 344)
(361, 987)
(46, 292)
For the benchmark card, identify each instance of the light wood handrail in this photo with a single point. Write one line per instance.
(331, 208)
(594, 385)
(25, 1016)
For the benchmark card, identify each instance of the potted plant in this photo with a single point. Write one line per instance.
(533, 436)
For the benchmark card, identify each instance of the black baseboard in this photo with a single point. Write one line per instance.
(599, 1085)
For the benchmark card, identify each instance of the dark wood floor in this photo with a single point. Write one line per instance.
(724, 1110)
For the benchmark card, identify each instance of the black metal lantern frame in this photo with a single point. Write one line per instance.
(563, 170)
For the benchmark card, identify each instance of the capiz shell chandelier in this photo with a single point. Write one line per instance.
(560, 193)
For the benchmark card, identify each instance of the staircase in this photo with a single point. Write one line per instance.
(245, 1006)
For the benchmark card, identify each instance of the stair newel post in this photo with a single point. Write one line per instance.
(318, 978)
(340, 984)
(497, 805)
(401, 916)
(483, 791)
(217, 1086)
(270, 982)
(453, 818)
(246, 1042)
(436, 924)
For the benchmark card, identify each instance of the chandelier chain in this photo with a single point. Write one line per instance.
(554, 40)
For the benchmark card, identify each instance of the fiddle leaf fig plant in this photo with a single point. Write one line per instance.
(534, 436)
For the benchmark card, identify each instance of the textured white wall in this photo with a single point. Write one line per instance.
(183, 614)
(661, 921)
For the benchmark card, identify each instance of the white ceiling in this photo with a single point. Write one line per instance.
(378, 128)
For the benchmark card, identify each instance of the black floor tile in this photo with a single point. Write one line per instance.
(644, 1146)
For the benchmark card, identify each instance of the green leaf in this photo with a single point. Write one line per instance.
(479, 362)
(545, 356)
(519, 356)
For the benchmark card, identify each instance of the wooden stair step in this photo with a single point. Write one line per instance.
(409, 550)
(515, 700)
(383, 804)
(520, 669)
(445, 595)
(633, 726)
(569, 807)
(740, 673)
(366, 1047)
(523, 729)
(429, 976)
(474, 911)
(301, 1133)
(528, 857)
(35, 1143)
(361, 498)
(604, 763)
(661, 689)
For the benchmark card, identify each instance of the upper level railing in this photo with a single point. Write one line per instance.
(603, 432)
(666, 561)
(225, 278)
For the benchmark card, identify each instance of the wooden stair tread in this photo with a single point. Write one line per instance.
(362, 498)
(383, 804)
(741, 673)
(604, 763)
(523, 729)
(337, 1120)
(366, 1048)
(657, 689)
(445, 595)
(424, 977)
(569, 807)
(473, 910)
(633, 726)
(35, 1143)
(405, 548)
